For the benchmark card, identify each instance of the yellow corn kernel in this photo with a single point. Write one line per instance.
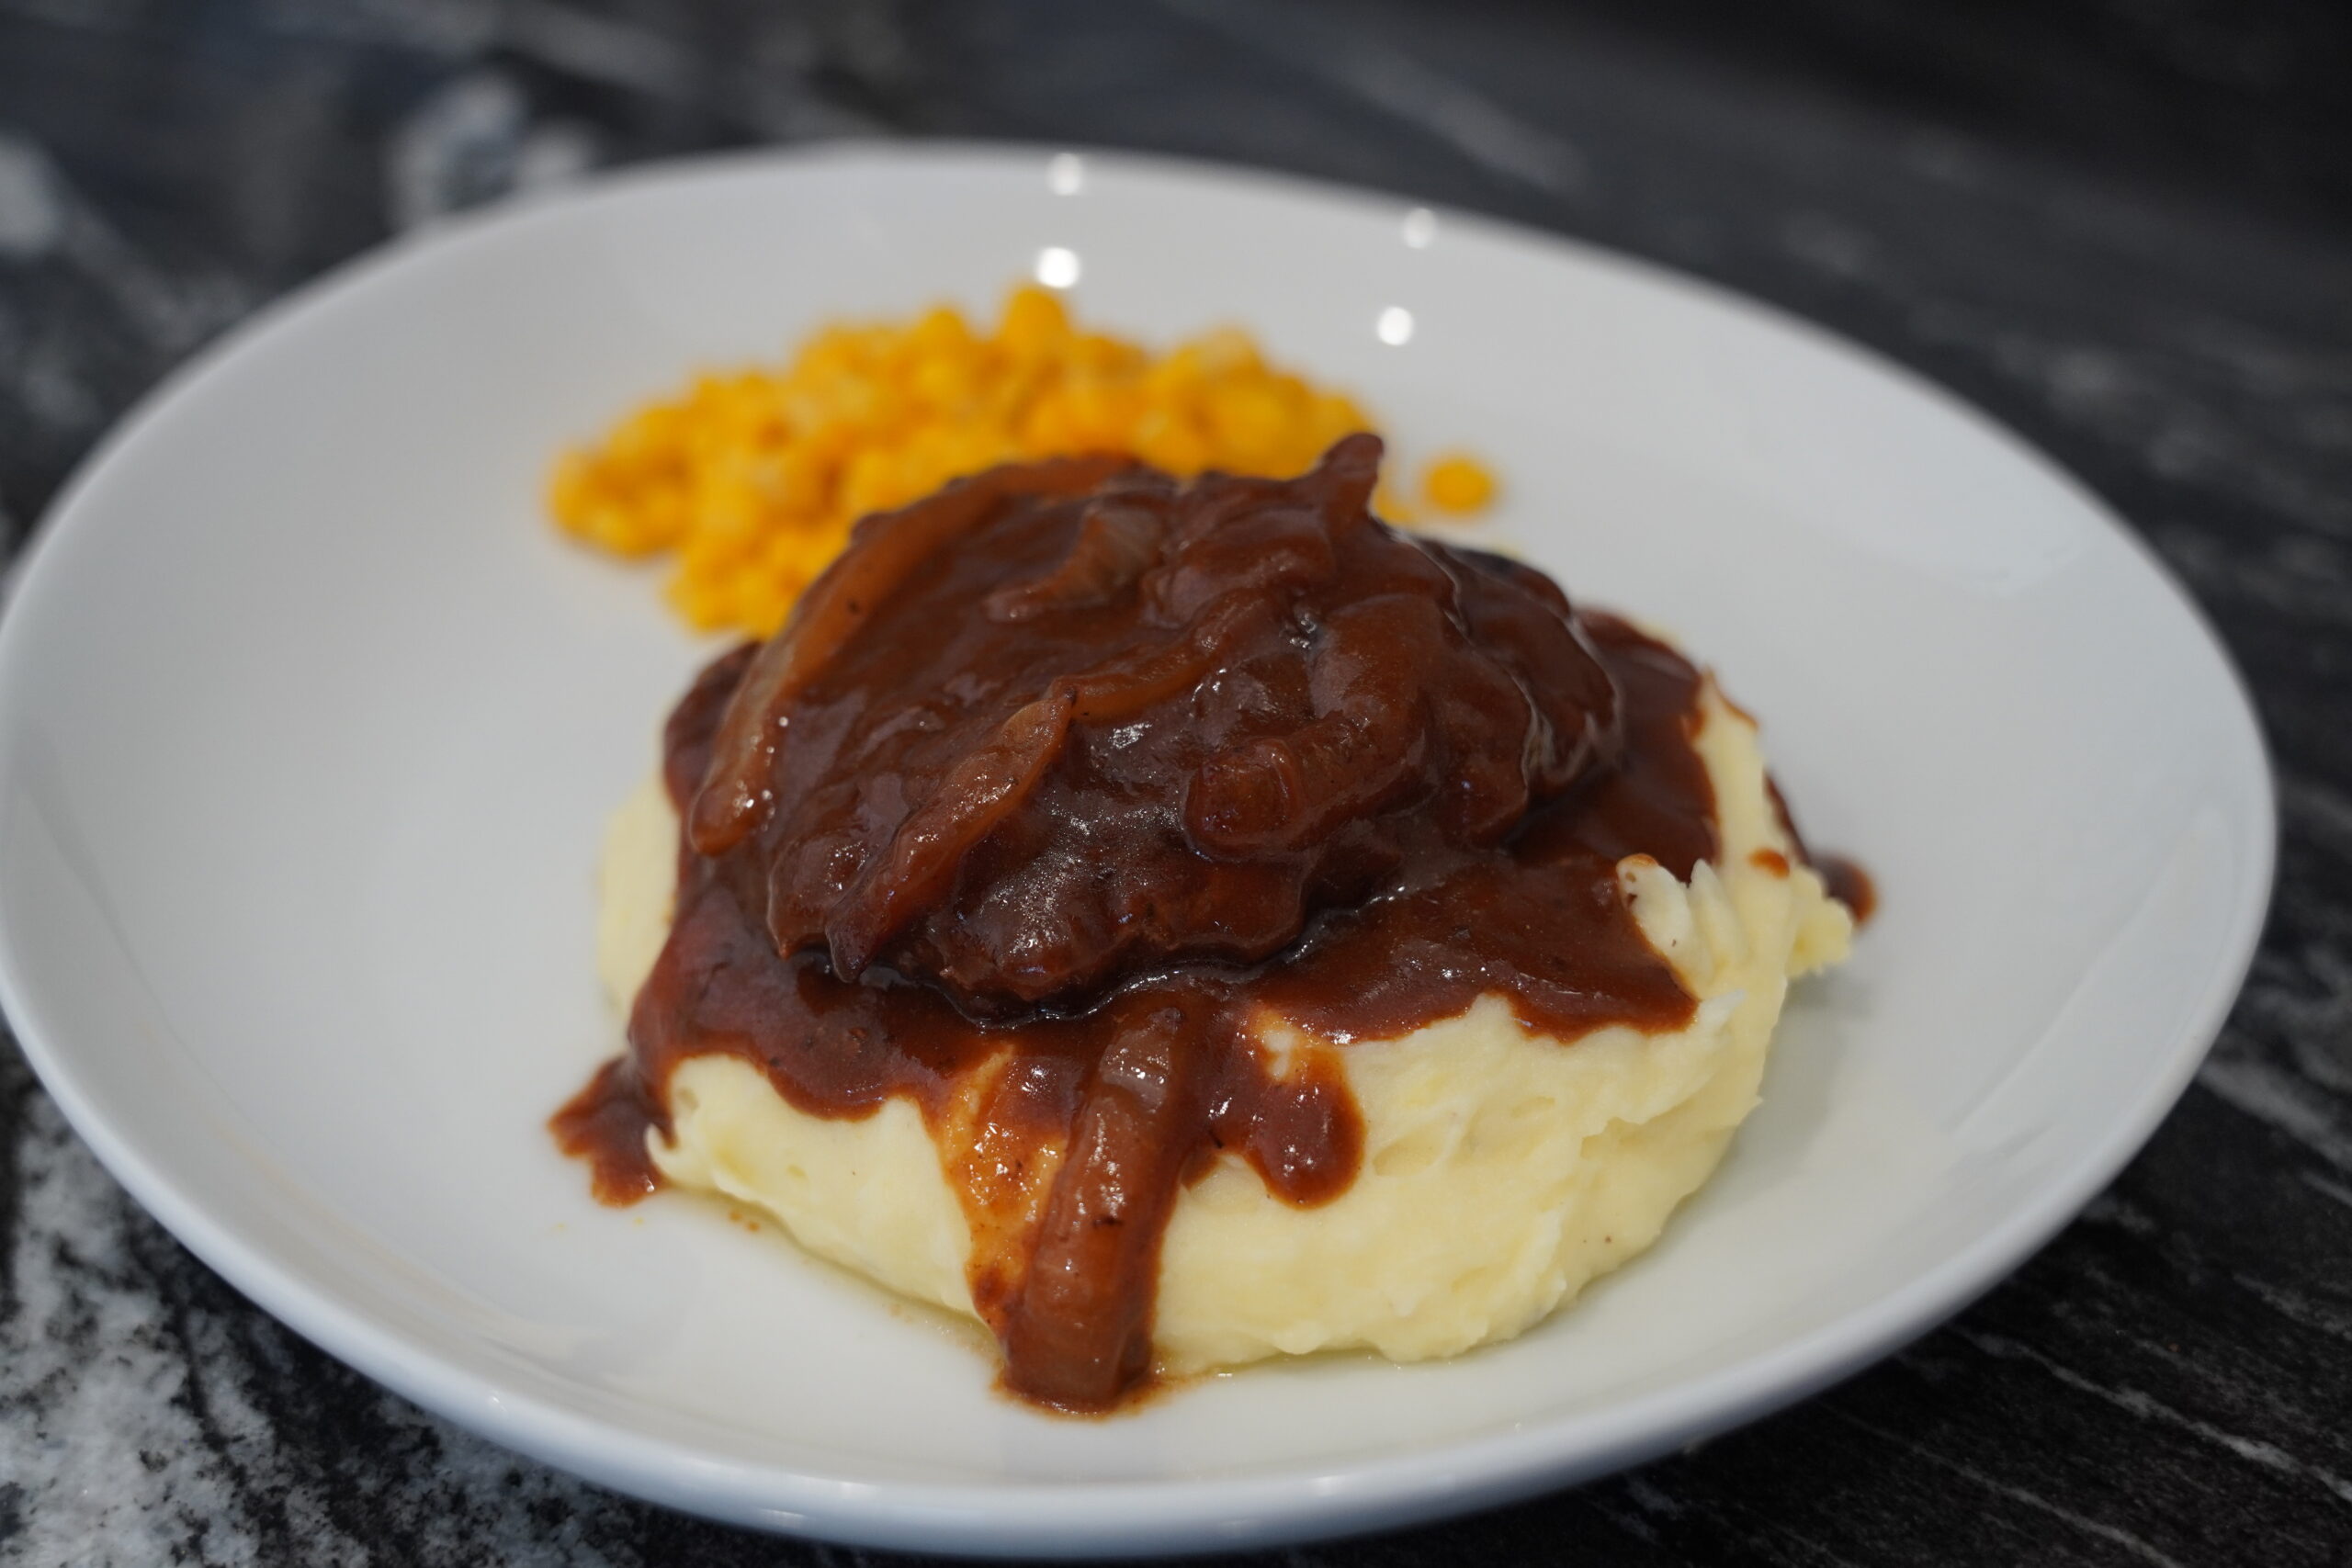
(1173, 444)
(938, 329)
(1248, 420)
(1458, 484)
(1035, 322)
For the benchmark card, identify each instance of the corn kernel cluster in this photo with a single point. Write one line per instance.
(754, 476)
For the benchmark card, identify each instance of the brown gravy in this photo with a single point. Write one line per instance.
(1849, 885)
(1251, 793)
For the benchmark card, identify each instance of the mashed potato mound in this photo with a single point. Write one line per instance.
(1502, 1169)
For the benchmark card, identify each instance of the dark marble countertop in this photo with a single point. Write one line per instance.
(2124, 230)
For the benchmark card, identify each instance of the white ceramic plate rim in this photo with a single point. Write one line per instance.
(1282, 1504)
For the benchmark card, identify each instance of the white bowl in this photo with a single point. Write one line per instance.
(309, 723)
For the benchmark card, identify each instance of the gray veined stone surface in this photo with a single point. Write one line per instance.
(2125, 231)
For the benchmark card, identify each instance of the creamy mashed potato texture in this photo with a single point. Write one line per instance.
(1502, 1169)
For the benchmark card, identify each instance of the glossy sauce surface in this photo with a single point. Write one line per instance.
(1064, 776)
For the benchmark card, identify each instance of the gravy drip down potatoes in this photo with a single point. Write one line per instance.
(1210, 923)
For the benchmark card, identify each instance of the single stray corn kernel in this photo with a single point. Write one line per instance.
(755, 478)
(1458, 484)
